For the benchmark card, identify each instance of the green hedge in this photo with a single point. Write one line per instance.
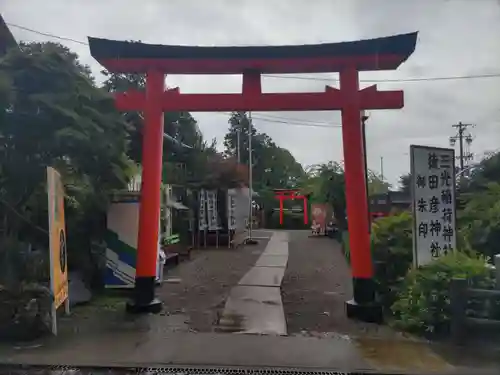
(418, 299)
(392, 251)
(423, 303)
(391, 247)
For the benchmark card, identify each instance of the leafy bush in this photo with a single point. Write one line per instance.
(391, 245)
(19, 265)
(423, 304)
(24, 294)
(480, 220)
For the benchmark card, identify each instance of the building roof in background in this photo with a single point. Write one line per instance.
(390, 197)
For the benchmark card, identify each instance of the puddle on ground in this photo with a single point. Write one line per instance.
(401, 355)
(230, 323)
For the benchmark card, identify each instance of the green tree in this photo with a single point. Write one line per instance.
(179, 126)
(326, 183)
(376, 185)
(188, 159)
(486, 171)
(479, 221)
(52, 114)
(405, 183)
(274, 167)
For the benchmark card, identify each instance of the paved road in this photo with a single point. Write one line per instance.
(314, 265)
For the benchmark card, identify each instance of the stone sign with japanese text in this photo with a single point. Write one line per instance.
(433, 200)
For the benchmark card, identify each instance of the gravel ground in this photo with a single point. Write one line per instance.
(317, 282)
(205, 282)
(193, 293)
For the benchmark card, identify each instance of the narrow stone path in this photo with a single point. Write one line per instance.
(255, 305)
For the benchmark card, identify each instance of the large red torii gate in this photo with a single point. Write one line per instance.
(347, 58)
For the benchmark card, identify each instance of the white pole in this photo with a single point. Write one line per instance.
(238, 144)
(250, 174)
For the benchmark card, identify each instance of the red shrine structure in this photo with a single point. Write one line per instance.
(347, 58)
(284, 194)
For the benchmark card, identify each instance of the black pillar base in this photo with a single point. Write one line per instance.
(144, 301)
(370, 313)
(364, 306)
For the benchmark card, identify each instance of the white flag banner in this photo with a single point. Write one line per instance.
(212, 209)
(242, 198)
(202, 213)
(231, 209)
(433, 193)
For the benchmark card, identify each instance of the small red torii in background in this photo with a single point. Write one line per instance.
(284, 194)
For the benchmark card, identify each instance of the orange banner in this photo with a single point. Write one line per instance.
(58, 255)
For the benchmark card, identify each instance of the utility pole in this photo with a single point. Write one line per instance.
(461, 136)
(250, 240)
(364, 117)
(382, 168)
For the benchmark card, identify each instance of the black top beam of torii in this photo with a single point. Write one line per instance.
(385, 53)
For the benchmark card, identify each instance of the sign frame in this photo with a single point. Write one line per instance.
(57, 241)
(211, 209)
(413, 148)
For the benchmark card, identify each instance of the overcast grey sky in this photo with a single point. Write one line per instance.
(457, 38)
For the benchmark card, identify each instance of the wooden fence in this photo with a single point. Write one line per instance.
(460, 295)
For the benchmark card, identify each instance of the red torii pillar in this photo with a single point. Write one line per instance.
(356, 200)
(346, 58)
(149, 209)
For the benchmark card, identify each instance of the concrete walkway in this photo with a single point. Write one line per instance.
(153, 348)
(255, 305)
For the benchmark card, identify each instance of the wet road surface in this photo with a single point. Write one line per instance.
(316, 281)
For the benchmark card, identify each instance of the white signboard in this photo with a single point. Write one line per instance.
(433, 190)
(231, 209)
(212, 209)
(202, 213)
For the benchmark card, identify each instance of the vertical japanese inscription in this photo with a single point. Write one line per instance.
(212, 214)
(231, 210)
(433, 180)
(202, 213)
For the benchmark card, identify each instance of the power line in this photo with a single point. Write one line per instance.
(300, 120)
(298, 124)
(421, 79)
(45, 34)
(290, 121)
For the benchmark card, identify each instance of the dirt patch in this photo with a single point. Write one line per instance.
(193, 293)
(316, 285)
(205, 282)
